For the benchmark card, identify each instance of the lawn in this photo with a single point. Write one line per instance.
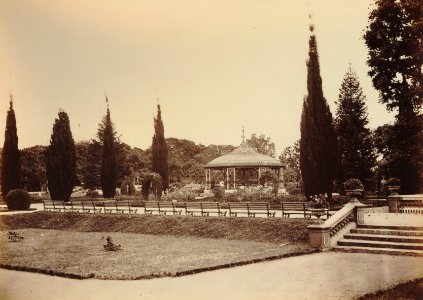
(412, 290)
(142, 256)
(69, 244)
(268, 230)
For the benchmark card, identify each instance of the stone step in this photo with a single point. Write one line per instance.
(380, 244)
(384, 238)
(357, 249)
(387, 231)
(391, 227)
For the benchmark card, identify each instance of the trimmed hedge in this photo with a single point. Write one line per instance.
(18, 200)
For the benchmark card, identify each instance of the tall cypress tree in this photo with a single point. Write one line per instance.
(356, 149)
(109, 161)
(11, 164)
(318, 144)
(61, 159)
(159, 150)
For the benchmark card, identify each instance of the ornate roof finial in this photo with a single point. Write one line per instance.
(243, 134)
(11, 101)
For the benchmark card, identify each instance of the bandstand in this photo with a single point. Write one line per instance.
(243, 167)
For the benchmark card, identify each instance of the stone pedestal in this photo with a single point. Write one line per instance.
(393, 204)
(319, 237)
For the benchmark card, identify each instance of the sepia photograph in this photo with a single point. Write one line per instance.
(200, 149)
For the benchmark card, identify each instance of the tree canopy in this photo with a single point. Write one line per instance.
(357, 157)
(318, 144)
(394, 39)
(61, 159)
(159, 151)
(109, 171)
(11, 163)
(262, 144)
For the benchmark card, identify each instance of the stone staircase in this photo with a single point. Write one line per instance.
(393, 239)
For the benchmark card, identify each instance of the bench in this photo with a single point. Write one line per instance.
(250, 208)
(88, 206)
(296, 208)
(54, 205)
(110, 207)
(75, 206)
(126, 207)
(204, 208)
(161, 207)
(117, 207)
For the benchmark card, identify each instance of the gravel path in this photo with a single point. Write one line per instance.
(318, 276)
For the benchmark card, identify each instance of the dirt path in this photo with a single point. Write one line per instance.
(317, 276)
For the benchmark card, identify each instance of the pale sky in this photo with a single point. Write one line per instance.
(215, 65)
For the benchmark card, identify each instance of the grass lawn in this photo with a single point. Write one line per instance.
(268, 230)
(412, 290)
(142, 255)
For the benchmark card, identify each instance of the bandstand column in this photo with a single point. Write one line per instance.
(259, 175)
(234, 178)
(207, 182)
(280, 177)
(227, 178)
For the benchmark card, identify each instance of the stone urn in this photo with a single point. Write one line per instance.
(393, 190)
(354, 192)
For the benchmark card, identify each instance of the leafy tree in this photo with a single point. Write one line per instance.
(291, 158)
(88, 165)
(61, 159)
(109, 170)
(394, 39)
(33, 165)
(11, 163)
(132, 162)
(318, 145)
(159, 151)
(151, 183)
(183, 161)
(357, 157)
(262, 144)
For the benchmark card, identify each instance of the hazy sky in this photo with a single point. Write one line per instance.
(215, 65)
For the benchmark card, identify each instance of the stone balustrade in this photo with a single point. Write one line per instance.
(320, 234)
(405, 203)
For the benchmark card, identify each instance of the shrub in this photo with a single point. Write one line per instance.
(295, 191)
(218, 192)
(232, 197)
(291, 198)
(353, 184)
(18, 200)
(339, 201)
(180, 195)
(92, 193)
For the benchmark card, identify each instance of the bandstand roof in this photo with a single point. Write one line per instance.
(244, 156)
